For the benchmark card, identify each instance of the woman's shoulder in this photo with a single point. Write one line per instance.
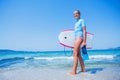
(81, 20)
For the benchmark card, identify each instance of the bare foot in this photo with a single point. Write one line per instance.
(83, 71)
(71, 73)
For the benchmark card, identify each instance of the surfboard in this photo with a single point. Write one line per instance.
(67, 38)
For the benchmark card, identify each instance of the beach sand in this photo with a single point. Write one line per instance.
(59, 74)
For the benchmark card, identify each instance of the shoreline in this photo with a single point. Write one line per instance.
(102, 65)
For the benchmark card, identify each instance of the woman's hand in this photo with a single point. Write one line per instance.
(84, 44)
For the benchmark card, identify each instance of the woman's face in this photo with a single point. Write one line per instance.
(76, 15)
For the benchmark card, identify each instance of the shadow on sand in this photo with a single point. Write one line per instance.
(94, 70)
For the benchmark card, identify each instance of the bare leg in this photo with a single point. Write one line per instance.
(77, 45)
(81, 62)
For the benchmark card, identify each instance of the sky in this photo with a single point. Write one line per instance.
(34, 25)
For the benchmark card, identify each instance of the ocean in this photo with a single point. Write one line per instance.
(28, 62)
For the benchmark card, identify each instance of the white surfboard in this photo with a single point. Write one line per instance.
(67, 39)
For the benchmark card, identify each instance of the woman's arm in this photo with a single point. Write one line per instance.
(84, 36)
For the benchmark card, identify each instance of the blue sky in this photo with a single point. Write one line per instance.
(35, 24)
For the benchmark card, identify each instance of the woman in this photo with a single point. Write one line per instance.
(80, 40)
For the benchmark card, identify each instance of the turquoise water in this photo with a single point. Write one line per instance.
(57, 59)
